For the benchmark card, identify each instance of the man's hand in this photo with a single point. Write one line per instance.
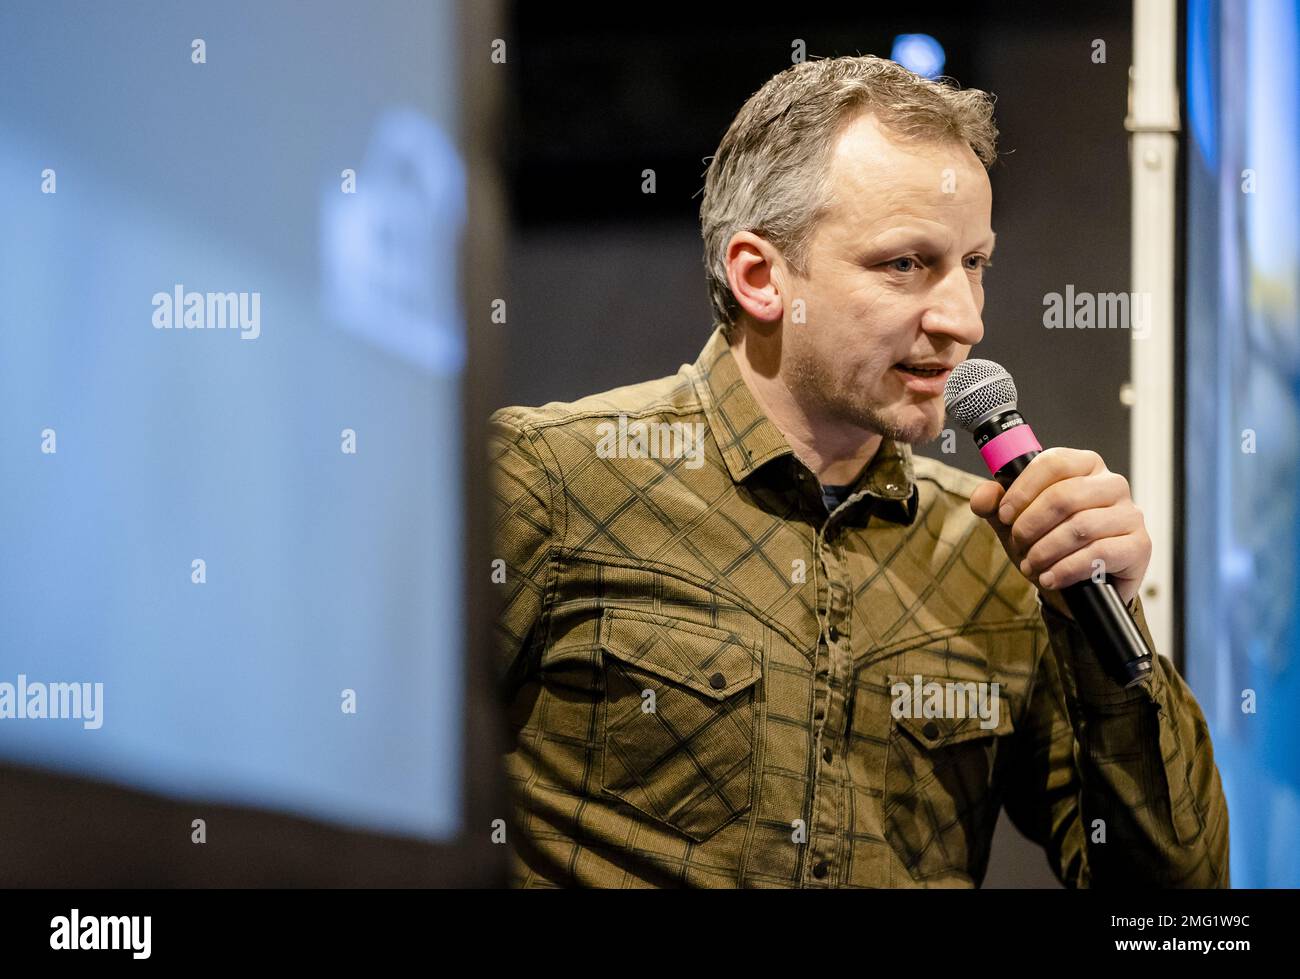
(1065, 511)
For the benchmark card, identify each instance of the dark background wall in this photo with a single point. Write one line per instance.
(606, 284)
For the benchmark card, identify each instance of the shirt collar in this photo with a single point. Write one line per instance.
(749, 440)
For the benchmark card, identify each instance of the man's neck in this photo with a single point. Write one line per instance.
(836, 453)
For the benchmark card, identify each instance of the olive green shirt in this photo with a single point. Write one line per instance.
(713, 682)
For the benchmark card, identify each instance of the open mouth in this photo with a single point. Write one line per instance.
(922, 371)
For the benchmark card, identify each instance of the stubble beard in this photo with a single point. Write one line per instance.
(815, 387)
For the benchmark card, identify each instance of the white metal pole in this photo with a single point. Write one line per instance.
(1153, 124)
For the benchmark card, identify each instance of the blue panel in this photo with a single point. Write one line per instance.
(1243, 418)
(184, 433)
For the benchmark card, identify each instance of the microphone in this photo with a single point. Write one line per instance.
(981, 396)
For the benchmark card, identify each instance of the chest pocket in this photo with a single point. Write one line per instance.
(679, 719)
(939, 801)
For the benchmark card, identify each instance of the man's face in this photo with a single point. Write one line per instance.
(894, 278)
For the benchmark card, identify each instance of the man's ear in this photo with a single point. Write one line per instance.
(754, 273)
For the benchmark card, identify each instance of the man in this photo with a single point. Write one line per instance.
(749, 639)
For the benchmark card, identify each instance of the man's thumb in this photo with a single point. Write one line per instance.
(984, 501)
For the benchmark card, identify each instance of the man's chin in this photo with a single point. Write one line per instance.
(917, 437)
(910, 423)
(913, 425)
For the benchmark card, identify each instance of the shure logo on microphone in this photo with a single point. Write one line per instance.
(1098, 311)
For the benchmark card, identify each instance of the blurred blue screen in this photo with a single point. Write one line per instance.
(231, 353)
(1242, 562)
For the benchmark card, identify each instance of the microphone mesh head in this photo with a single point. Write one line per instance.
(977, 389)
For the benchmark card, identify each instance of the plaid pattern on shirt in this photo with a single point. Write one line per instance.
(700, 667)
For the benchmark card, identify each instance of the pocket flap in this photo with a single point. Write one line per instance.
(969, 708)
(709, 661)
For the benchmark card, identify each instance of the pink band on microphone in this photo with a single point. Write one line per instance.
(1011, 444)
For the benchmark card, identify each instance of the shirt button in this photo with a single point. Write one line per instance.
(717, 681)
(821, 869)
(827, 754)
(931, 730)
(834, 634)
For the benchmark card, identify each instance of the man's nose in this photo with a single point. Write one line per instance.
(955, 309)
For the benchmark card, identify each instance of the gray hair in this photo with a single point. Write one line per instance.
(770, 175)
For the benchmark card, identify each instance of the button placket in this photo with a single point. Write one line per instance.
(832, 682)
(822, 653)
(838, 591)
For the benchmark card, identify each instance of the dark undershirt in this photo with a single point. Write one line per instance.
(835, 495)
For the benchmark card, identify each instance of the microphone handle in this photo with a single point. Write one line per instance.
(1098, 610)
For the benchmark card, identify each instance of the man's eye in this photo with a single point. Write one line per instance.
(903, 264)
(974, 262)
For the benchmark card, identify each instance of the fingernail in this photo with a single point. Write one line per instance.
(1005, 514)
(1046, 580)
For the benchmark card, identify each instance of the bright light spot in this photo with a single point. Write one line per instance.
(919, 53)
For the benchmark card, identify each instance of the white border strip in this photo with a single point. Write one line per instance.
(1153, 156)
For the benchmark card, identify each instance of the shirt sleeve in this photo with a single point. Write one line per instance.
(1117, 784)
(523, 539)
